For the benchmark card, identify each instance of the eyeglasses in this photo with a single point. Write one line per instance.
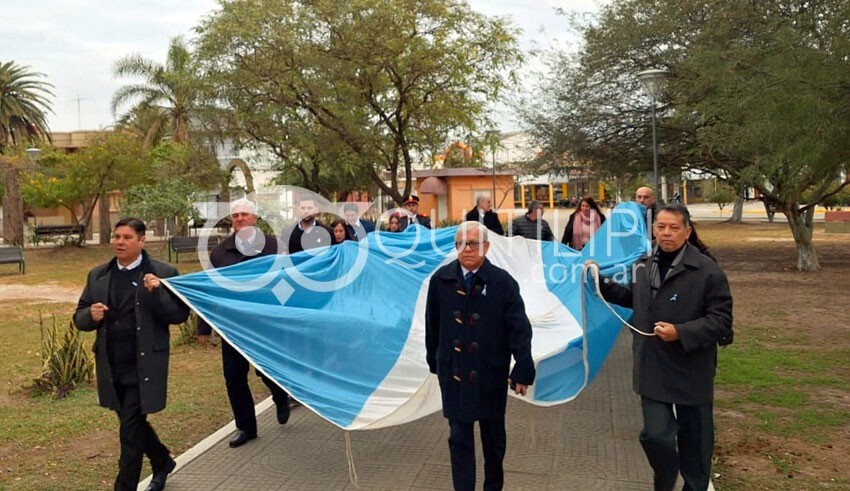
(672, 228)
(463, 245)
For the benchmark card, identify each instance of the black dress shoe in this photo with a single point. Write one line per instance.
(282, 413)
(241, 438)
(160, 476)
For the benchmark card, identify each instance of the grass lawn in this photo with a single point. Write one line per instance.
(783, 388)
(72, 443)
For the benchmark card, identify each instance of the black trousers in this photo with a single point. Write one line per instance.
(236, 380)
(138, 438)
(462, 449)
(681, 442)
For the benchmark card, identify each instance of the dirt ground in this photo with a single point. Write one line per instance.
(812, 306)
(46, 292)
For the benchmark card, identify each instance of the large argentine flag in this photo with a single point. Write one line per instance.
(342, 329)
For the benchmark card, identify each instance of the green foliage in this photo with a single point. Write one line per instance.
(756, 95)
(168, 94)
(722, 195)
(187, 331)
(355, 88)
(113, 161)
(66, 362)
(161, 201)
(24, 106)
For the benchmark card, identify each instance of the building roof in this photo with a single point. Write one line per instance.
(461, 172)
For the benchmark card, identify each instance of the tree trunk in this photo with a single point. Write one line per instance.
(105, 224)
(13, 207)
(737, 209)
(807, 258)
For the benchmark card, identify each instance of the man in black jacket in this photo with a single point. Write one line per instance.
(532, 225)
(125, 303)
(474, 322)
(483, 212)
(308, 233)
(683, 307)
(247, 242)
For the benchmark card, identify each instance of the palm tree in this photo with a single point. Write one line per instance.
(171, 87)
(24, 105)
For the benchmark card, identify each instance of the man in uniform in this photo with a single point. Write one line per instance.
(412, 215)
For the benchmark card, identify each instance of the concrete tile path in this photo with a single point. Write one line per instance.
(588, 444)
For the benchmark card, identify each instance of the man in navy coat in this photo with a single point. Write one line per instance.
(474, 322)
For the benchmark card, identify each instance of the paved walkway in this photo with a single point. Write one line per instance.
(590, 443)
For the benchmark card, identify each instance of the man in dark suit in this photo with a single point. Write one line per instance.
(683, 306)
(474, 322)
(309, 232)
(646, 197)
(412, 215)
(247, 242)
(357, 227)
(132, 347)
(483, 212)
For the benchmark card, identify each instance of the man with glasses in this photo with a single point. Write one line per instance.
(683, 306)
(474, 322)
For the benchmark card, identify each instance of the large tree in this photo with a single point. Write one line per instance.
(169, 91)
(757, 94)
(387, 79)
(79, 181)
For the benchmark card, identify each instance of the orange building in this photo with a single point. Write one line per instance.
(447, 194)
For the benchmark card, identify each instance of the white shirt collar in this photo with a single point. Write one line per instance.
(464, 270)
(132, 265)
(313, 224)
(250, 240)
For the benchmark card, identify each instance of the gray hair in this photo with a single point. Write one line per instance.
(478, 199)
(464, 228)
(243, 205)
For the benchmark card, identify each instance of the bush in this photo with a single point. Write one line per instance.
(721, 196)
(66, 362)
(187, 331)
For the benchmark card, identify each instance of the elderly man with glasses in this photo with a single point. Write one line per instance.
(475, 321)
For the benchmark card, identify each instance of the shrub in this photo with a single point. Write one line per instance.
(187, 331)
(66, 362)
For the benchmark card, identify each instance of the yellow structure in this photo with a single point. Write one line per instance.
(448, 194)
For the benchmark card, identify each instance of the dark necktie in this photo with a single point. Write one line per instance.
(468, 279)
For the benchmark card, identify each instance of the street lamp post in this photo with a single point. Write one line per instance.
(652, 81)
(493, 134)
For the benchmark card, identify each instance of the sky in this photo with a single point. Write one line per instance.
(75, 43)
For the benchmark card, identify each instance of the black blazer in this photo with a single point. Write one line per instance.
(695, 297)
(491, 220)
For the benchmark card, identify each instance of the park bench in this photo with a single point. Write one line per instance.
(178, 244)
(42, 232)
(12, 255)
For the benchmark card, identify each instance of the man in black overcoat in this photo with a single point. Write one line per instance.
(483, 212)
(245, 243)
(683, 307)
(474, 322)
(308, 233)
(125, 303)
